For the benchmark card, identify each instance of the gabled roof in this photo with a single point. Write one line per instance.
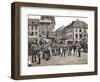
(70, 25)
(60, 28)
(79, 23)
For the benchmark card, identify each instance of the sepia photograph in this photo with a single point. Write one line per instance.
(57, 40)
(50, 40)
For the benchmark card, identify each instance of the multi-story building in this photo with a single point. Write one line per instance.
(33, 29)
(73, 31)
(59, 33)
(47, 24)
(42, 27)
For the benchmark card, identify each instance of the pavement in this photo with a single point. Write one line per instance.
(57, 60)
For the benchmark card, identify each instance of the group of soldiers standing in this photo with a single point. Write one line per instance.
(44, 49)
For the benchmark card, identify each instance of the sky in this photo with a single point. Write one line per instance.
(60, 21)
(63, 20)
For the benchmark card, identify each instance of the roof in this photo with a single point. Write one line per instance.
(61, 28)
(70, 25)
(79, 23)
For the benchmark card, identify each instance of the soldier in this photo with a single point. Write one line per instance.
(79, 50)
(59, 52)
(46, 51)
(43, 51)
(74, 49)
(36, 52)
(69, 49)
(53, 49)
(64, 50)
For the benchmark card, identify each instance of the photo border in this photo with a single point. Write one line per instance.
(15, 40)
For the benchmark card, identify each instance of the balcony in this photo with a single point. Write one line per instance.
(45, 21)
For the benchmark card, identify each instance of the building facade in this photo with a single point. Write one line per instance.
(42, 27)
(33, 29)
(73, 32)
(59, 33)
(47, 24)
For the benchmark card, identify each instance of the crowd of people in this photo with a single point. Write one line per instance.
(46, 48)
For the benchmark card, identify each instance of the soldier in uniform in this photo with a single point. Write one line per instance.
(36, 52)
(46, 51)
(53, 49)
(69, 49)
(59, 51)
(64, 50)
(75, 49)
(79, 50)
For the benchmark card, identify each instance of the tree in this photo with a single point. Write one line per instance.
(84, 41)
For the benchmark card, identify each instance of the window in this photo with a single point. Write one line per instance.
(76, 42)
(43, 32)
(80, 30)
(35, 27)
(76, 36)
(35, 33)
(32, 33)
(80, 36)
(32, 28)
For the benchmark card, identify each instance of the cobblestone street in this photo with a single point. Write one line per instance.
(67, 60)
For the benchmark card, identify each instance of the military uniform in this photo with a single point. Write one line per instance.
(69, 49)
(36, 53)
(46, 52)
